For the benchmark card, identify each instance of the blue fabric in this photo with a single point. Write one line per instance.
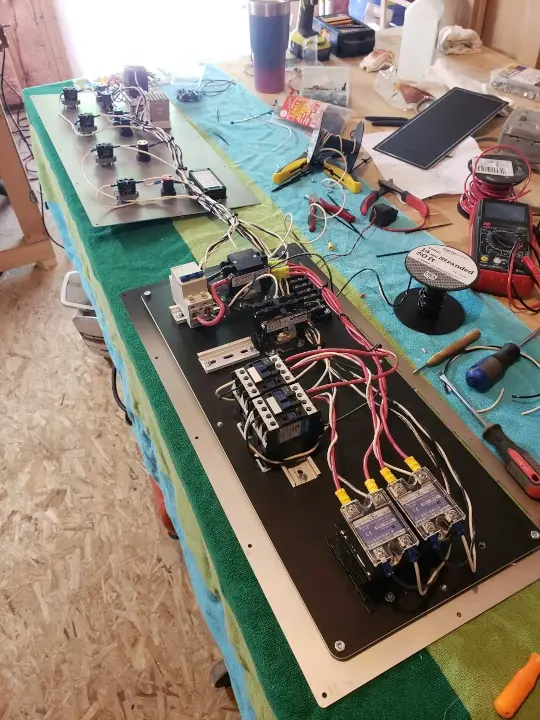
(209, 604)
(254, 146)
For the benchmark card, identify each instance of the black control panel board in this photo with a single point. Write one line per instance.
(301, 520)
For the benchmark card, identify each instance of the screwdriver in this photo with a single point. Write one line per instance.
(450, 350)
(519, 688)
(484, 374)
(517, 461)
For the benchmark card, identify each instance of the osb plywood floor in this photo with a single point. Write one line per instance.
(97, 617)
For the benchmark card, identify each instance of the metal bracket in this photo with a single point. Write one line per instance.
(228, 354)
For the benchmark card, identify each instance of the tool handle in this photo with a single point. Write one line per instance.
(453, 348)
(485, 373)
(518, 463)
(368, 201)
(288, 170)
(336, 210)
(395, 122)
(336, 172)
(312, 217)
(416, 203)
(520, 686)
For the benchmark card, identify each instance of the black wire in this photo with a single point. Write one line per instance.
(526, 397)
(42, 201)
(334, 256)
(359, 272)
(6, 105)
(215, 91)
(116, 396)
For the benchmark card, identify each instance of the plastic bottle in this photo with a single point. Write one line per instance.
(419, 38)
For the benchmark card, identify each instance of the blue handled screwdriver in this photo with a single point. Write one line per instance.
(484, 374)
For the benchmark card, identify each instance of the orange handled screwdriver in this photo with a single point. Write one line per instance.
(518, 689)
(453, 349)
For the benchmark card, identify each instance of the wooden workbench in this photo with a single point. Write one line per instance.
(366, 101)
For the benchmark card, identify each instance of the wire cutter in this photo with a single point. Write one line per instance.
(387, 186)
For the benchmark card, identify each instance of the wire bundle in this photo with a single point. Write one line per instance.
(477, 188)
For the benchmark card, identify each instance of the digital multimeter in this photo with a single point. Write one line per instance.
(495, 228)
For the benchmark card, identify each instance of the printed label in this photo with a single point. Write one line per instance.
(446, 261)
(290, 431)
(378, 528)
(237, 280)
(425, 504)
(273, 325)
(495, 167)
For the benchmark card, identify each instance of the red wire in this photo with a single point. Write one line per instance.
(509, 290)
(219, 303)
(355, 356)
(476, 189)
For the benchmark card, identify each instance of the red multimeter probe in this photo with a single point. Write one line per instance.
(495, 228)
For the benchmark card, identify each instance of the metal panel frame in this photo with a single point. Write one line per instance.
(71, 149)
(330, 679)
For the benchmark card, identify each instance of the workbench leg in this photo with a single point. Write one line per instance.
(219, 675)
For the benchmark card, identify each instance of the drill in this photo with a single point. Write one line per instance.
(304, 39)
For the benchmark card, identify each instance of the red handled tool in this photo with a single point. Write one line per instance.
(387, 186)
(517, 461)
(312, 215)
(330, 208)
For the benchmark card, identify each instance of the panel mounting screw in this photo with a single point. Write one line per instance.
(219, 424)
(389, 597)
(147, 294)
(339, 645)
(482, 545)
(444, 588)
(535, 535)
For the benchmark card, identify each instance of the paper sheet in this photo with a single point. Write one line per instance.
(446, 178)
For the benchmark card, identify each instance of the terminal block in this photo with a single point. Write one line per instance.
(428, 507)
(104, 100)
(285, 319)
(126, 190)
(190, 291)
(242, 268)
(105, 154)
(70, 98)
(279, 420)
(86, 124)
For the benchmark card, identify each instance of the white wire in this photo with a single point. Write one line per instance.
(434, 575)
(533, 410)
(243, 291)
(470, 559)
(456, 479)
(217, 391)
(356, 490)
(327, 183)
(493, 405)
(274, 279)
(74, 127)
(156, 157)
(284, 127)
(324, 218)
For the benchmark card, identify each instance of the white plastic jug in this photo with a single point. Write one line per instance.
(419, 38)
